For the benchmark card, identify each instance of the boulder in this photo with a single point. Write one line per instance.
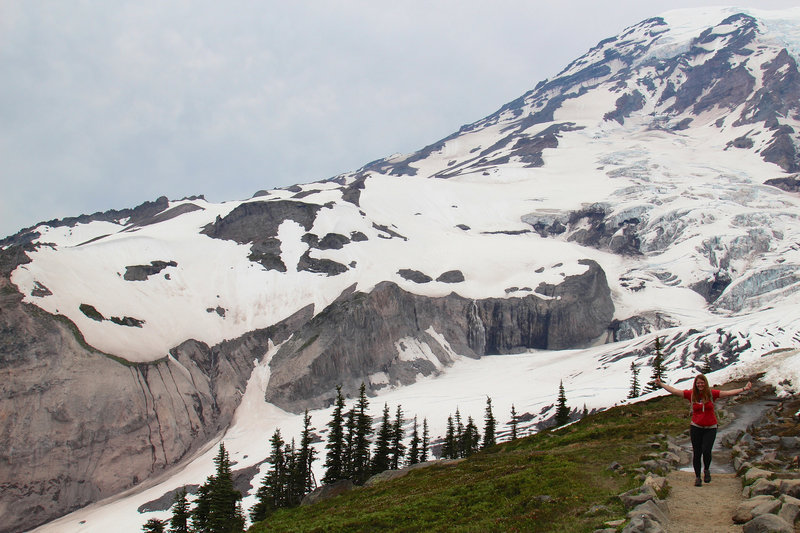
(637, 496)
(756, 506)
(767, 523)
(790, 508)
(790, 487)
(326, 492)
(647, 517)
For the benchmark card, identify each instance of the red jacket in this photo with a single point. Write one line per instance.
(703, 413)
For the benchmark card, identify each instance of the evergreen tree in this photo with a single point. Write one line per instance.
(361, 442)
(383, 443)
(349, 444)
(154, 525)
(179, 523)
(413, 450)
(634, 392)
(658, 369)
(459, 427)
(290, 482)
(562, 411)
(470, 439)
(215, 508)
(489, 426)
(423, 452)
(706, 368)
(271, 495)
(202, 507)
(398, 449)
(303, 475)
(449, 448)
(222, 516)
(334, 459)
(514, 422)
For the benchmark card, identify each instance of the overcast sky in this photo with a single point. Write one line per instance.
(106, 104)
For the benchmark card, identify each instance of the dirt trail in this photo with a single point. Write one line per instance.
(708, 508)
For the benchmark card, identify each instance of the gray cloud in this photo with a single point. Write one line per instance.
(107, 104)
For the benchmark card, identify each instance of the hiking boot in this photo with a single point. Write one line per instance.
(698, 482)
(707, 477)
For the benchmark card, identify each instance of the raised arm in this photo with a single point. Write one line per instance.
(734, 392)
(669, 388)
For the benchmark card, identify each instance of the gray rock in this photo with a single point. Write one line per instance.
(648, 517)
(790, 508)
(756, 473)
(764, 486)
(326, 492)
(639, 495)
(767, 523)
(790, 443)
(758, 505)
(790, 487)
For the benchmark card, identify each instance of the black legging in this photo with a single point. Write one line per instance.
(702, 442)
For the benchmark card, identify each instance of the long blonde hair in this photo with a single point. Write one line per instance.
(698, 396)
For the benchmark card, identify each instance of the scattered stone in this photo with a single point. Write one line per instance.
(637, 496)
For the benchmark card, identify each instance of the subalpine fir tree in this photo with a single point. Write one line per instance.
(423, 452)
(334, 459)
(413, 449)
(634, 392)
(398, 449)
(459, 427)
(306, 457)
(706, 367)
(562, 410)
(271, 495)
(489, 426)
(349, 444)
(514, 422)
(154, 525)
(449, 447)
(658, 369)
(179, 523)
(361, 442)
(470, 439)
(383, 443)
(216, 509)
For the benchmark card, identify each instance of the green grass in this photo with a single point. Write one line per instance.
(545, 482)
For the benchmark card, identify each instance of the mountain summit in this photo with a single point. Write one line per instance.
(647, 191)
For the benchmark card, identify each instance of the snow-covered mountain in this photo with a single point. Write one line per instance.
(648, 190)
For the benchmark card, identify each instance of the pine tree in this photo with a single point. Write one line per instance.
(459, 427)
(706, 368)
(634, 392)
(489, 426)
(562, 410)
(413, 450)
(349, 444)
(179, 523)
(449, 449)
(383, 443)
(361, 442)
(223, 497)
(202, 506)
(305, 457)
(658, 369)
(334, 460)
(470, 439)
(271, 495)
(215, 508)
(423, 452)
(398, 449)
(514, 422)
(154, 525)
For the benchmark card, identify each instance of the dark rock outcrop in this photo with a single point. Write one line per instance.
(362, 334)
(142, 272)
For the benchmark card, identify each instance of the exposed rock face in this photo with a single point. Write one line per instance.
(383, 332)
(78, 425)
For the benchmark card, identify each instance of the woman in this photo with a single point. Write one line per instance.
(703, 430)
